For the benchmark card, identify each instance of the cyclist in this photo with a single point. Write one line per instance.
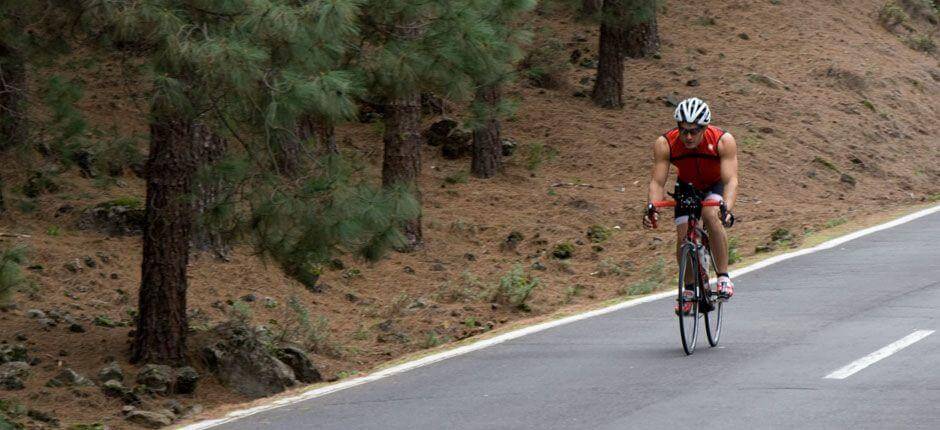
(707, 163)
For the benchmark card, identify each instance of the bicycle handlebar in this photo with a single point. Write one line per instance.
(672, 203)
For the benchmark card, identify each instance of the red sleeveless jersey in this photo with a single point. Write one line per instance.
(699, 166)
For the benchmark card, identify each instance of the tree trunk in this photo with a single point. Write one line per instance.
(401, 161)
(642, 36)
(289, 153)
(608, 87)
(322, 131)
(209, 148)
(13, 122)
(589, 8)
(161, 326)
(487, 148)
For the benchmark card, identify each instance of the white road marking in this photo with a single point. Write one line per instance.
(318, 392)
(878, 355)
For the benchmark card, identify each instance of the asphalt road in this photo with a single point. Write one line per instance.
(788, 327)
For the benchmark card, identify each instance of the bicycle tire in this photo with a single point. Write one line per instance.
(688, 324)
(713, 319)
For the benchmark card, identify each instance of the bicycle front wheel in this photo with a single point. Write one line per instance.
(713, 318)
(688, 311)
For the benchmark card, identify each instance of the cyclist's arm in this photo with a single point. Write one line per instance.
(660, 170)
(728, 151)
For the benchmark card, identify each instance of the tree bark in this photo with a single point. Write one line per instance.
(322, 131)
(401, 161)
(590, 8)
(608, 87)
(289, 153)
(161, 326)
(209, 148)
(14, 130)
(487, 148)
(642, 36)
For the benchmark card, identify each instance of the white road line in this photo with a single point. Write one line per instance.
(878, 355)
(317, 392)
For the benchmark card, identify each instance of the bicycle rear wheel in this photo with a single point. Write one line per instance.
(713, 318)
(688, 321)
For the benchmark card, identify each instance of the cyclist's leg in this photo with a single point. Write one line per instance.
(718, 239)
(682, 228)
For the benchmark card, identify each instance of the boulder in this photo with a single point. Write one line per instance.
(156, 378)
(69, 378)
(11, 375)
(149, 419)
(113, 219)
(298, 361)
(238, 357)
(10, 353)
(454, 142)
(186, 379)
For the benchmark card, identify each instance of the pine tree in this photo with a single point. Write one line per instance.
(608, 85)
(642, 33)
(439, 46)
(14, 129)
(245, 72)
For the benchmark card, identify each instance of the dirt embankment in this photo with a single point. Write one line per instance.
(836, 119)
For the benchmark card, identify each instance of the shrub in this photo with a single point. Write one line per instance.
(298, 327)
(598, 233)
(545, 65)
(11, 272)
(515, 288)
(563, 251)
(734, 255)
(538, 153)
(923, 43)
(891, 15)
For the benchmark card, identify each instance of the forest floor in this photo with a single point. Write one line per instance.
(836, 124)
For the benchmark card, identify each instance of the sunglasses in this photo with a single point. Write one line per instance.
(691, 131)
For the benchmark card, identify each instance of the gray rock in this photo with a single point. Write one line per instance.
(41, 416)
(156, 378)
(69, 378)
(539, 266)
(35, 314)
(111, 372)
(191, 411)
(509, 146)
(300, 363)
(173, 406)
(847, 179)
(148, 419)
(11, 375)
(73, 266)
(76, 328)
(186, 379)
(236, 355)
(10, 353)
(89, 261)
(113, 219)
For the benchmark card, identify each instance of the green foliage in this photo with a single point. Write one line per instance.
(546, 65)
(563, 251)
(105, 321)
(431, 339)
(598, 233)
(11, 272)
(457, 178)
(826, 163)
(734, 255)
(835, 222)
(299, 328)
(112, 155)
(66, 130)
(95, 426)
(922, 42)
(514, 288)
(654, 277)
(538, 153)
(891, 15)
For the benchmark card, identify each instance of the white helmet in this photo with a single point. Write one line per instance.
(693, 111)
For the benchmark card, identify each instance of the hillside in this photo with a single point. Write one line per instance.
(835, 117)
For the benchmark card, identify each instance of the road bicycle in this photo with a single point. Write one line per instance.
(696, 262)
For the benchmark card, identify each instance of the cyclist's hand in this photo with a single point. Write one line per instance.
(727, 218)
(650, 216)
